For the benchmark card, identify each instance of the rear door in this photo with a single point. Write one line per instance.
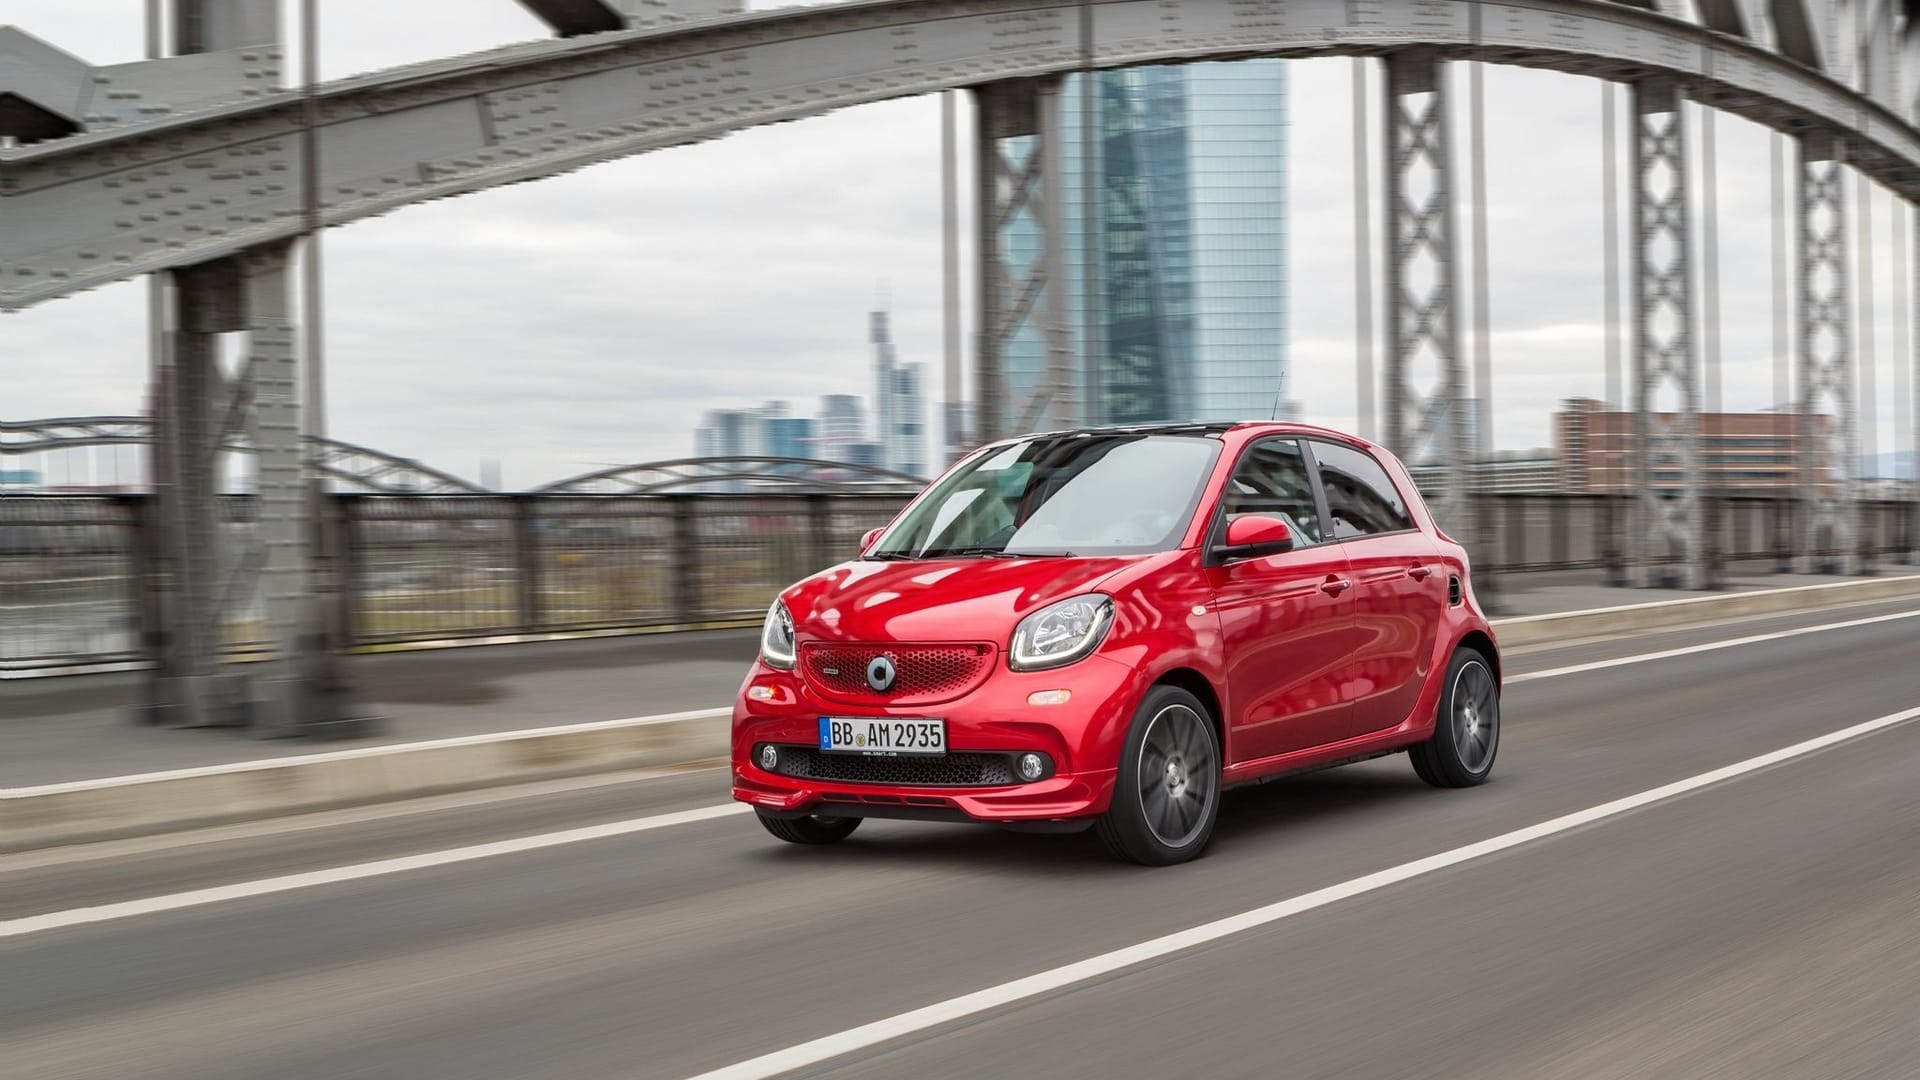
(1286, 620)
(1400, 590)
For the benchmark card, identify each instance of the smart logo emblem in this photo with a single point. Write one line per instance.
(881, 674)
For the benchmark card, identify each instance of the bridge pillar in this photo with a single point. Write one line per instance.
(1827, 533)
(1667, 538)
(256, 576)
(1018, 154)
(1426, 415)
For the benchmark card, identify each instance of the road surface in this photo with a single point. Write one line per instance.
(1756, 925)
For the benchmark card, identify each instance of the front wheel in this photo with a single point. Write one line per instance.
(1167, 793)
(812, 829)
(1466, 726)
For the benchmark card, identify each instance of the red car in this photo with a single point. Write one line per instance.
(1108, 627)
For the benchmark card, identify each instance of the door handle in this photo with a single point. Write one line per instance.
(1419, 573)
(1334, 586)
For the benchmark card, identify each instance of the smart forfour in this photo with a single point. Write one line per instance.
(1107, 628)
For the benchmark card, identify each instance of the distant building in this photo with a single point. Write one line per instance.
(1743, 453)
(1188, 316)
(19, 480)
(1509, 472)
(906, 439)
(866, 454)
(899, 403)
(787, 437)
(841, 424)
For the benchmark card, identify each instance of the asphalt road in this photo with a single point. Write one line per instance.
(1763, 926)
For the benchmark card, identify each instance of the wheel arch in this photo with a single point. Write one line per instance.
(1193, 682)
(1481, 642)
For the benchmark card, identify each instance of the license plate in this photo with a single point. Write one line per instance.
(882, 736)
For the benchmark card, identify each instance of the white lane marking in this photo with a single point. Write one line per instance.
(1690, 601)
(34, 924)
(102, 850)
(198, 897)
(359, 752)
(1689, 650)
(846, 1042)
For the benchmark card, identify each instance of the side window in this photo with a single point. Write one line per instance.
(1271, 479)
(1360, 497)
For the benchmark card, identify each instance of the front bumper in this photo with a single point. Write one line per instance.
(1081, 739)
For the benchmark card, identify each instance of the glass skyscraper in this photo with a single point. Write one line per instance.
(1189, 235)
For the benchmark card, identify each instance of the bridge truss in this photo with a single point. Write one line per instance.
(204, 169)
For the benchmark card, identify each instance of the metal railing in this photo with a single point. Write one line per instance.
(78, 578)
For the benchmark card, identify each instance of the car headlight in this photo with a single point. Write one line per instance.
(776, 638)
(1061, 632)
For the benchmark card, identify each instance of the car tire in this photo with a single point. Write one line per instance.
(1166, 794)
(812, 829)
(1466, 726)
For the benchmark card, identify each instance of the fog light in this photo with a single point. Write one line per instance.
(760, 693)
(769, 757)
(1032, 767)
(1049, 697)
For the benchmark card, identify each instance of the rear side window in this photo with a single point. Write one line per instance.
(1360, 497)
(1271, 479)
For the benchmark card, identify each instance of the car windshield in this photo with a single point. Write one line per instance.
(1076, 494)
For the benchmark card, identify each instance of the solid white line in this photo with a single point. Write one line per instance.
(34, 924)
(1689, 650)
(880, 1031)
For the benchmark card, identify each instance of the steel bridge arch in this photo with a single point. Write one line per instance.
(523, 112)
(359, 467)
(794, 474)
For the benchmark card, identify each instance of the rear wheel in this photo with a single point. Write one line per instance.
(1466, 726)
(812, 829)
(1167, 794)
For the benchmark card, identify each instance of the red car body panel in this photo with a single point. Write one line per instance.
(1318, 655)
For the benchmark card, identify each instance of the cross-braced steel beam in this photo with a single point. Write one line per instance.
(1425, 418)
(1668, 543)
(1827, 433)
(1019, 176)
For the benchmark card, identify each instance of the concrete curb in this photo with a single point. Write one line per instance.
(116, 806)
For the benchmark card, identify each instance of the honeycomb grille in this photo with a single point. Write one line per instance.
(950, 770)
(925, 673)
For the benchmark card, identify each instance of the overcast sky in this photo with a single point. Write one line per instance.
(589, 318)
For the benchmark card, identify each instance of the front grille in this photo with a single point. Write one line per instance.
(926, 674)
(950, 770)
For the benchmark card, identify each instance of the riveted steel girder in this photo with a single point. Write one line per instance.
(1019, 184)
(1668, 535)
(173, 191)
(1828, 436)
(1425, 418)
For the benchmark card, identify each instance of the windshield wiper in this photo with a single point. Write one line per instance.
(891, 556)
(1000, 553)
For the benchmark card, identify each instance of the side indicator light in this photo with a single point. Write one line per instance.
(1049, 697)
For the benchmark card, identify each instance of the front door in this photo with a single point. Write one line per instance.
(1286, 620)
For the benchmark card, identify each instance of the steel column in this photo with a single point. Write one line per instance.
(1014, 297)
(954, 407)
(1827, 530)
(1423, 324)
(1667, 540)
(1362, 257)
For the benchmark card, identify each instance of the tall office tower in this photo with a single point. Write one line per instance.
(880, 337)
(842, 425)
(1188, 231)
(899, 403)
(907, 441)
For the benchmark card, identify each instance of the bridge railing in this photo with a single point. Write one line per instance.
(79, 581)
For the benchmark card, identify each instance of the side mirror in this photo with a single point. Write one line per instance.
(1251, 536)
(867, 540)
